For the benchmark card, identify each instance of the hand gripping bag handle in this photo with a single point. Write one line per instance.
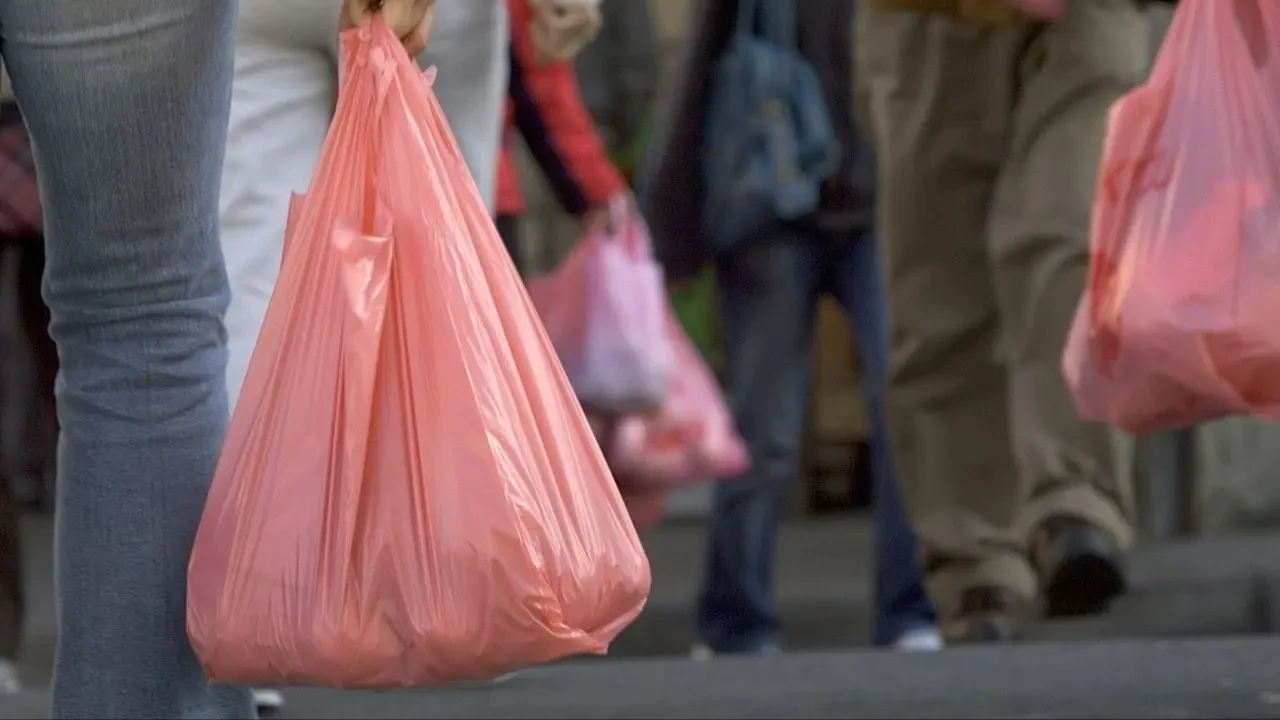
(627, 228)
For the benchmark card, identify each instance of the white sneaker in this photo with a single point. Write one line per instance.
(268, 700)
(9, 682)
(921, 639)
(701, 653)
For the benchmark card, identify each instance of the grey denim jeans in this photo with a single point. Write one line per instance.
(126, 102)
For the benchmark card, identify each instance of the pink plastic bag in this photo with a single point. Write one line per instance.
(409, 492)
(690, 439)
(646, 503)
(1178, 324)
(604, 309)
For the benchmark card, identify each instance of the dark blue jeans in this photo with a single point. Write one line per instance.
(768, 295)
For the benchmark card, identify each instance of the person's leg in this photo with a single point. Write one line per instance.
(22, 454)
(902, 608)
(767, 297)
(940, 138)
(11, 585)
(14, 365)
(1075, 475)
(469, 44)
(12, 392)
(509, 230)
(126, 102)
(18, 398)
(281, 103)
(42, 417)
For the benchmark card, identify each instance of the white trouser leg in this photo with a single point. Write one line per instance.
(469, 46)
(282, 101)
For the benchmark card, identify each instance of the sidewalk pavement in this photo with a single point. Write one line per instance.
(1196, 587)
(1201, 587)
(1137, 679)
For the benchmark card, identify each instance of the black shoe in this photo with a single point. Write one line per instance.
(1079, 566)
(987, 615)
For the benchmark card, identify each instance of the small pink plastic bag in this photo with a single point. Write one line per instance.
(604, 309)
(690, 439)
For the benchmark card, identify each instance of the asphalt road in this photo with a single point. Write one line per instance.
(1192, 679)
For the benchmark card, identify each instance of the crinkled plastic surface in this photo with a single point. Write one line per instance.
(410, 493)
(605, 310)
(691, 438)
(1179, 321)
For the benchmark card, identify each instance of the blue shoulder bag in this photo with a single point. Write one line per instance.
(769, 143)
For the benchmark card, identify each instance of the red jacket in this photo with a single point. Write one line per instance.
(544, 106)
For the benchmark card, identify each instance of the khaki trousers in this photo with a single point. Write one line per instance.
(988, 139)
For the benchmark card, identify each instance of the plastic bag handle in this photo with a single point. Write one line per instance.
(382, 64)
(618, 211)
(374, 58)
(627, 229)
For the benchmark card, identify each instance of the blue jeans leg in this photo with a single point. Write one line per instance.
(766, 301)
(126, 101)
(901, 603)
